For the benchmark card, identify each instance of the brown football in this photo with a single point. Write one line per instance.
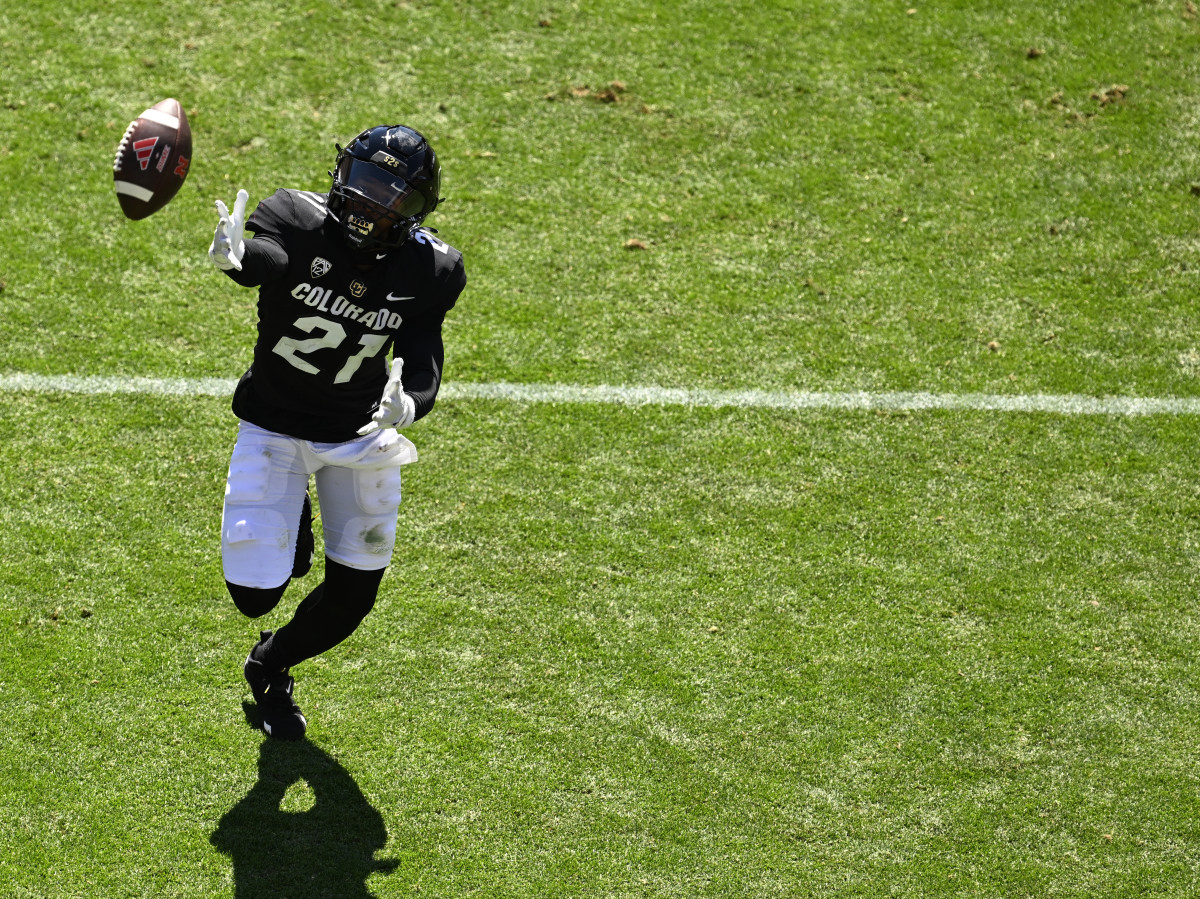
(152, 159)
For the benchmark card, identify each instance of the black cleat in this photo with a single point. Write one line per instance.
(305, 545)
(280, 716)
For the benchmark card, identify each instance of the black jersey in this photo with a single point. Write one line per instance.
(325, 325)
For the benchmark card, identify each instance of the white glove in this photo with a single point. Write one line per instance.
(396, 408)
(228, 245)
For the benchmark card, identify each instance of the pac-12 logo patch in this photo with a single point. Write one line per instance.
(321, 267)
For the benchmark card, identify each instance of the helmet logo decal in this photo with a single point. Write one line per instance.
(385, 158)
(144, 149)
(357, 289)
(321, 267)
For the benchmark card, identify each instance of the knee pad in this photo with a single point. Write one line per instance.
(254, 602)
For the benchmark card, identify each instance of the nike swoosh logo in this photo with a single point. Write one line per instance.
(395, 299)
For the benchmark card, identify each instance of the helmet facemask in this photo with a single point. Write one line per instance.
(379, 210)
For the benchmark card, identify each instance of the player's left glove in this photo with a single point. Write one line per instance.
(396, 408)
(228, 244)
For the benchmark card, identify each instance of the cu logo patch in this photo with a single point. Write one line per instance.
(321, 267)
(357, 289)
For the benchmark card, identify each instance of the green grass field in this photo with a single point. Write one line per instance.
(657, 650)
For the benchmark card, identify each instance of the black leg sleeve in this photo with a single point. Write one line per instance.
(254, 602)
(325, 618)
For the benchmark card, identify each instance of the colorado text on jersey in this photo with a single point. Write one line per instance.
(322, 299)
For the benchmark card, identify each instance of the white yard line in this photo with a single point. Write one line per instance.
(657, 396)
(92, 384)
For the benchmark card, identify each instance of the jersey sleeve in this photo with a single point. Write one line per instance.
(423, 351)
(273, 215)
(265, 258)
(420, 344)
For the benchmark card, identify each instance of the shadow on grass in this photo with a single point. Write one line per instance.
(326, 849)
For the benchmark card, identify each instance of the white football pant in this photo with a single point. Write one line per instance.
(358, 488)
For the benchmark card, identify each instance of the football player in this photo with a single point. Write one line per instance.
(343, 279)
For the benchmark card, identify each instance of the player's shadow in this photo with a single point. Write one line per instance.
(322, 844)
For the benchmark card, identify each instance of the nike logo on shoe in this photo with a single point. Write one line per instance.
(391, 298)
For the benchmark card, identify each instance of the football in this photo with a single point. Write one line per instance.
(152, 159)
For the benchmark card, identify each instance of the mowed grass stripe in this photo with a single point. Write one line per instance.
(1062, 404)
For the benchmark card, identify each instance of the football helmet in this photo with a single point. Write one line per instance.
(384, 184)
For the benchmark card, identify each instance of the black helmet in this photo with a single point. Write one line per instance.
(384, 184)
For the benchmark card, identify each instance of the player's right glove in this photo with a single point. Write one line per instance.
(228, 244)
(396, 408)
